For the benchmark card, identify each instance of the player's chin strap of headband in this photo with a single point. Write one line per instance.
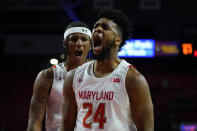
(82, 30)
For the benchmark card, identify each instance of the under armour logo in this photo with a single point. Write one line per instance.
(84, 30)
(61, 77)
(79, 80)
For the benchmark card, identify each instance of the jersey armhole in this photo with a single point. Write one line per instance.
(54, 68)
(124, 88)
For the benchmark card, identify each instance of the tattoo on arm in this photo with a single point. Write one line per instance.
(39, 99)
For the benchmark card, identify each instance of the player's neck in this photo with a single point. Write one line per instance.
(71, 64)
(102, 68)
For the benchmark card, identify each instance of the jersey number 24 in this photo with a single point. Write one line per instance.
(99, 116)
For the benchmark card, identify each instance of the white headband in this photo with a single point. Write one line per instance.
(82, 30)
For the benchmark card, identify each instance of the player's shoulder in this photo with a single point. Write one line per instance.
(47, 73)
(132, 71)
(135, 80)
(43, 81)
(133, 74)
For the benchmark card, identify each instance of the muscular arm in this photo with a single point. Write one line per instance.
(141, 102)
(39, 99)
(69, 106)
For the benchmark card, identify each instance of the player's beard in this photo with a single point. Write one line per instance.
(104, 52)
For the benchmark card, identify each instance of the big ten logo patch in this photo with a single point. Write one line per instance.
(116, 80)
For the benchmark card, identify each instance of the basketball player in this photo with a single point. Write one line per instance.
(48, 86)
(107, 94)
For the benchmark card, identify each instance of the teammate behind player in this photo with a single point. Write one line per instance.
(48, 86)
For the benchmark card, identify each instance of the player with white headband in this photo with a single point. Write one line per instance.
(82, 30)
(47, 93)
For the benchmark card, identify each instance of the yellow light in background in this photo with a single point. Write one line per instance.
(169, 49)
(187, 48)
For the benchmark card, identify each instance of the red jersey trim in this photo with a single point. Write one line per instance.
(131, 66)
(53, 66)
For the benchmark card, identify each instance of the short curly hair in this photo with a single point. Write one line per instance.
(123, 22)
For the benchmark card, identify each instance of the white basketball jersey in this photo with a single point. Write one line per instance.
(103, 103)
(54, 105)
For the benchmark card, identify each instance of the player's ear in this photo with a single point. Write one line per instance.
(118, 40)
(64, 43)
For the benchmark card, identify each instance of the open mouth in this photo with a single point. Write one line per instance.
(78, 53)
(96, 41)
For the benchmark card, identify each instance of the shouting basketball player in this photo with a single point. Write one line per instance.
(107, 93)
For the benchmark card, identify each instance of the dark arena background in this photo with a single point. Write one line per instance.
(31, 34)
